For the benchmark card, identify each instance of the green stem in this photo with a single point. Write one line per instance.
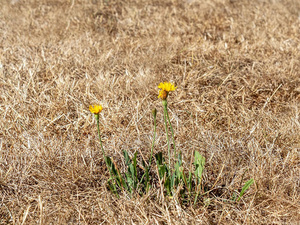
(97, 118)
(166, 125)
(104, 156)
(172, 132)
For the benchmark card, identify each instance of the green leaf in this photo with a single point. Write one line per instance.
(168, 185)
(180, 158)
(112, 167)
(245, 188)
(131, 170)
(159, 158)
(134, 166)
(185, 180)
(127, 158)
(199, 166)
(173, 181)
(190, 179)
(129, 182)
(162, 170)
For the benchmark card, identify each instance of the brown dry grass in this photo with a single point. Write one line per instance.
(236, 65)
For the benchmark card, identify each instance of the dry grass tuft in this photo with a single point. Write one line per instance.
(236, 65)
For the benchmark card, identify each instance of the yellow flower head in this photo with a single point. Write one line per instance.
(163, 94)
(167, 86)
(96, 109)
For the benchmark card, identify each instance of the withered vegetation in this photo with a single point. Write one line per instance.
(236, 64)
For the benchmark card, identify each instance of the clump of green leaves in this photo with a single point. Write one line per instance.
(130, 181)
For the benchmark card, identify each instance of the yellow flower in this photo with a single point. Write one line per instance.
(96, 109)
(165, 87)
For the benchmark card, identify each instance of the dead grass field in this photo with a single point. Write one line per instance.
(236, 65)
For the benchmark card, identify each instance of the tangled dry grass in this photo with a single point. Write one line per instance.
(236, 65)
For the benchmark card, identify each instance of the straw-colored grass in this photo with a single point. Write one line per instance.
(236, 64)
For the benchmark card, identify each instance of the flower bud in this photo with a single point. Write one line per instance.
(154, 112)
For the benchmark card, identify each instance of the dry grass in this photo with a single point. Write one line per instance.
(236, 65)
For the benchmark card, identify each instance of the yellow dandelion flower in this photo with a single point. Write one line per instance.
(96, 109)
(167, 86)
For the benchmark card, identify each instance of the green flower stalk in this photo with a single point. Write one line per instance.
(96, 109)
(166, 87)
(164, 102)
(171, 128)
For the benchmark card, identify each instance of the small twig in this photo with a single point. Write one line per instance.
(269, 99)
(218, 177)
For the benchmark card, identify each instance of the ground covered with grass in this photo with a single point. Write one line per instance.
(236, 65)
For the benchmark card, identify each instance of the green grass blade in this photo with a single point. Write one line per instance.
(245, 188)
